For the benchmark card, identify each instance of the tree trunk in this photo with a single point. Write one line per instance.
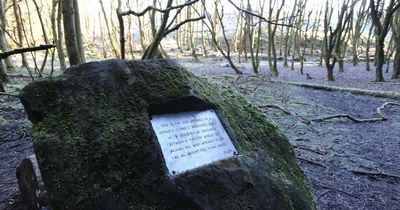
(3, 74)
(121, 30)
(79, 34)
(110, 35)
(396, 65)
(330, 72)
(20, 32)
(203, 38)
(380, 60)
(381, 30)
(70, 32)
(396, 34)
(60, 34)
(367, 66)
(3, 41)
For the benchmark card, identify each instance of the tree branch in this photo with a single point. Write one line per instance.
(130, 12)
(379, 109)
(381, 117)
(275, 107)
(350, 117)
(259, 16)
(177, 26)
(5, 55)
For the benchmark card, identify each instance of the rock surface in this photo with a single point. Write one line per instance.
(96, 148)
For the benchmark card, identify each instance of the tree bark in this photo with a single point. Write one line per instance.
(380, 60)
(20, 32)
(110, 35)
(79, 34)
(121, 30)
(152, 49)
(70, 32)
(396, 34)
(381, 30)
(3, 75)
(3, 41)
(59, 35)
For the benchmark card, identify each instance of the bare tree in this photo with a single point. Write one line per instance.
(357, 29)
(295, 31)
(211, 26)
(167, 26)
(333, 37)
(367, 49)
(304, 43)
(114, 45)
(291, 20)
(315, 30)
(58, 32)
(381, 30)
(272, 58)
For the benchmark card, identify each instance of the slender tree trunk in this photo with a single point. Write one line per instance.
(70, 32)
(289, 32)
(380, 60)
(46, 40)
(203, 38)
(367, 60)
(396, 65)
(315, 33)
(272, 57)
(59, 43)
(109, 33)
(141, 30)
(121, 30)
(3, 42)
(396, 36)
(130, 37)
(79, 34)
(20, 32)
(3, 76)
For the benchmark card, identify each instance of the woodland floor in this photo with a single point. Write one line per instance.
(351, 165)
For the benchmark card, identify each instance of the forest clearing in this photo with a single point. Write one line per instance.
(326, 74)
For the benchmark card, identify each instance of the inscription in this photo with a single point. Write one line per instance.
(191, 139)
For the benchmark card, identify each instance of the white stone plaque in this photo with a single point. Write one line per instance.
(191, 139)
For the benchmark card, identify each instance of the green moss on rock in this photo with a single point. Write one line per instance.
(96, 148)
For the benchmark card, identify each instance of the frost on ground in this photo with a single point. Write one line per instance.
(351, 165)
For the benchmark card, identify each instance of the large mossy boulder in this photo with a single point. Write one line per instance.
(96, 148)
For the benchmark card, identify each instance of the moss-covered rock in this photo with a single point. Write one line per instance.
(97, 150)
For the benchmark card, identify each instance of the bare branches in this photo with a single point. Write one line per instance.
(259, 16)
(164, 28)
(23, 50)
(176, 27)
(149, 8)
